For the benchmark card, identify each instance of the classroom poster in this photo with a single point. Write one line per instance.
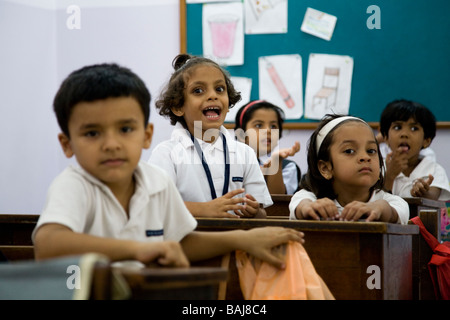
(328, 85)
(265, 16)
(244, 86)
(223, 33)
(319, 24)
(280, 82)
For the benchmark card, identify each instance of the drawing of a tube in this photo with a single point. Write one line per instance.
(280, 85)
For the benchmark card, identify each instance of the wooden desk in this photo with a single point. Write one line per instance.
(418, 204)
(281, 202)
(195, 283)
(15, 236)
(342, 253)
(280, 205)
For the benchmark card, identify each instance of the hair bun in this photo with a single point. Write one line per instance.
(180, 60)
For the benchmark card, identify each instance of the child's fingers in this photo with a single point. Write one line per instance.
(228, 215)
(233, 193)
(373, 216)
(325, 208)
(295, 148)
(352, 213)
(249, 196)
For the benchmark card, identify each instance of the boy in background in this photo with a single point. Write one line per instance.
(409, 127)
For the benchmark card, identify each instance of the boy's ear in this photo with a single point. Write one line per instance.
(148, 136)
(64, 141)
(325, 169)
(178, 112)
(426, 143)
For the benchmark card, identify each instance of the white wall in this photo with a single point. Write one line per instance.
(37, 51)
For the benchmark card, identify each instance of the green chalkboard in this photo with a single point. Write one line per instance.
(409, 57)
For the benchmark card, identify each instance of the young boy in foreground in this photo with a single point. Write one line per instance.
(115, 204)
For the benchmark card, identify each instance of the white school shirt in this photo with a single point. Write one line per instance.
(398, 203)
(179, 158)
(84, 204)
(402, 184)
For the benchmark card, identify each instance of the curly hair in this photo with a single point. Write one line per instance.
(172, 97)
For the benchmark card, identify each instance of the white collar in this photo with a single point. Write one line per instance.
(181, 135)
(142, 179)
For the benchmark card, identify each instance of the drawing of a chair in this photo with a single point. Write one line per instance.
(328, 91)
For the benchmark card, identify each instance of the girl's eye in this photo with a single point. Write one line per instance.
(414, 128)
(274, 127)
(397, 127)
(220, 89)
(197, 90)
(372, 151)
(349, 151)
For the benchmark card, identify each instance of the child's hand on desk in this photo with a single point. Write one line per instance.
(323, 208)
(378, 210)
(355, 210)
(166, 253)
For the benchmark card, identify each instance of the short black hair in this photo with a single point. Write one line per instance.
(403, 110)
(96, 82)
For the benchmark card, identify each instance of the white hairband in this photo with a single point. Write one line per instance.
(330, 126)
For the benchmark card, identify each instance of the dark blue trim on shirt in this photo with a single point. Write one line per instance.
(154, 233)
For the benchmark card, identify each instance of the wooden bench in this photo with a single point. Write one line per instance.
(195, 283)
(342, 253)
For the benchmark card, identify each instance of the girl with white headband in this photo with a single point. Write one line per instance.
(344, 179)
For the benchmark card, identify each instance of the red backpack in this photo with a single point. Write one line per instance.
(439, 265)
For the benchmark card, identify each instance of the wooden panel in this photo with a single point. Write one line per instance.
(16, 229)
(280, 205)
(15, 253)
(193, 283)
(342, 251)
